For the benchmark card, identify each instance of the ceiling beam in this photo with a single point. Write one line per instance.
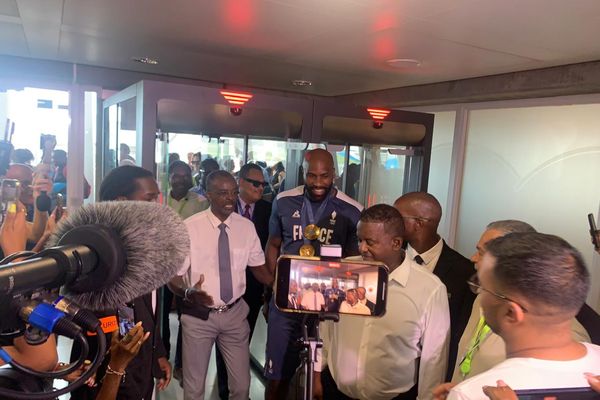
(572, 79)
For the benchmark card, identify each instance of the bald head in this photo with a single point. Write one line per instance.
(319, 156)
(421, 204)
(319, 174)
(421, 213)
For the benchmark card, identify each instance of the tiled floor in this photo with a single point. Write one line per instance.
(174, 392)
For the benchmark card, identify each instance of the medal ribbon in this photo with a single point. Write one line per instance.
(308, 218)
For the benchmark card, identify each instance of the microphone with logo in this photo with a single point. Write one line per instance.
(102, 256)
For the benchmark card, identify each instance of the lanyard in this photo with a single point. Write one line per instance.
(308, 218)
(482, 332)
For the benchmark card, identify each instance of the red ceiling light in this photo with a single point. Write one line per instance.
(378, 115)
(236, 99)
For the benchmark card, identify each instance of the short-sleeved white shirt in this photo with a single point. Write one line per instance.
(244, 247)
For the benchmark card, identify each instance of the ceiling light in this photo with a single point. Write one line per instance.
(378, 115)
(403, 62)
(145, 60)
(301, 82)
(237, 100)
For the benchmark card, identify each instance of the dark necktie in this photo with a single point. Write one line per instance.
(294, 304)
(246, 212)
(225, 265)
(419, 260)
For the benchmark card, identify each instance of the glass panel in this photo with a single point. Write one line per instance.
(441, 157)
(271, 155)
(383, 175)
(352, 176)
(161, 158)
(126, 134)
(110, 129)
(90, 132)
(34, 112)
(537, 164)
(227, 151)
(29, 114)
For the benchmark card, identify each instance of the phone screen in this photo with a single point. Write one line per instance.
(60, 203)
(593, 231)
(10, 191)
(577, 393)
(312, 285)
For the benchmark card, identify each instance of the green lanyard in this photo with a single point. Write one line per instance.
(183, 202)
(483, 330)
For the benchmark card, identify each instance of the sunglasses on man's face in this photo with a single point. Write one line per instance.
(254, 183)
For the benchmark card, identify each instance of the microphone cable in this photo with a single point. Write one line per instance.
(16, 395)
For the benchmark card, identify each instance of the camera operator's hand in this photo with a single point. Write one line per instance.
(594, 381)
(597, 241)
(73, 376)
(121, 353)
(440, 392)
(13, 234)
(49, 230)
(48, 147)
(500, 392)
(198, 296)
(124, 350)
(41, 183)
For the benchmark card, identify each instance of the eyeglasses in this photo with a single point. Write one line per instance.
(225, 193)
(476, 288)
(254, 183)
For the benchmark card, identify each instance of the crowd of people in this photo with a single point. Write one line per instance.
(514, 314)
(319, 297)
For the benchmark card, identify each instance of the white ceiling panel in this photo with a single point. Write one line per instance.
(341, 45)
(12, 39)
(9, 7)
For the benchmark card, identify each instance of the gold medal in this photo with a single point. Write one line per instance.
(307, 250)
(311, 232)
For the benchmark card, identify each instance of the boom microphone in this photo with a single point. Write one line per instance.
(108, 254)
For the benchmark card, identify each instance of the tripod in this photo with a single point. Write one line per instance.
(310, 345)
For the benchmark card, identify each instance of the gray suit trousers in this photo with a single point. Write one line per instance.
(230, 330)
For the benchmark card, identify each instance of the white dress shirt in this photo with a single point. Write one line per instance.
(313, 301)
(242, 207)
(244, 248)
(430, 257)
(357, 308)
(531, 373)
(376, 358)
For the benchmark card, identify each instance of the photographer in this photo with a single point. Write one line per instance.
(32, 187)
(13, 236)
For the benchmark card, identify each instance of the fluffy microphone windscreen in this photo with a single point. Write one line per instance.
(154, 239)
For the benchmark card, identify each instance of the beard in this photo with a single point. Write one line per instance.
(318, 197)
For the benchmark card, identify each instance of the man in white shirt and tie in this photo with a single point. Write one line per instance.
(313, 300)
(402, 354)
(223, 245)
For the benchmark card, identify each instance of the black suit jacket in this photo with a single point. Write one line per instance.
(454, 270)
(255, 289)
(142, 370)
(260, 217)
